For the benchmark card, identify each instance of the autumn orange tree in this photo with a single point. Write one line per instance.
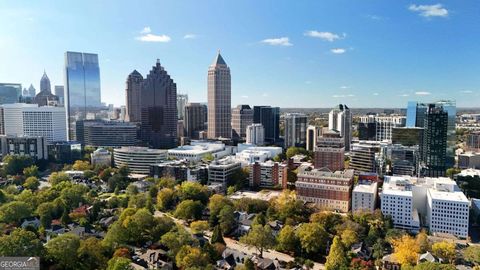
(405, 250)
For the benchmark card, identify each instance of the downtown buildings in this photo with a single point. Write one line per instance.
(219, 100)
(269, 117)
(242, 116)
(195, 119)
(82, 88)
(340, 119)
(295, 130)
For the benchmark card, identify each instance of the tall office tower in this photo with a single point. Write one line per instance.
(182, 100)
(159, 109)
(313, 132)
(383, 125)
(219, 99)
(434, 152)
(415, 114)
(195, 118)
(255, 134)
(31, 91)
(330, 152)
(45, 83)
(10, 93)
(340, 119)
(269, 117)
(82, 87)
(45, 96)
(60, 93)
(133, 92)
(242, 116)
(363, 157)
(295, 130)
(22, 119)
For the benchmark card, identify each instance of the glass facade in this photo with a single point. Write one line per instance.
(411, 114)
(10, 92)
(269, 117)
(82, 87)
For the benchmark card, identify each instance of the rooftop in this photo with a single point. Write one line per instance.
(366, 188)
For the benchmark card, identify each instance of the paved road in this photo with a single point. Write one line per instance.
(233, 244)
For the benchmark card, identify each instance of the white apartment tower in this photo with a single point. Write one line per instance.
(20, 119)
(340, 119)
(255, 134)
(219, 99)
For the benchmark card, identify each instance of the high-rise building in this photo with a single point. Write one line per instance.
(60, 93)
(82, 87)
(267, 174)
(138, 159)
(407, 136)
(22, 119)
(363, 157)
(219, 99)
(328, 190)
(133, 93)
(366, 130)
(340, 119)
(242, 116)
(195, 118)
(364, 197)
(434, 152)
(45, 96)
(45, 83)
(383, 125)
(330, 152)
(295, 130)
(10, 93)
(159, 109)
(255, 134)
(473, 141)
(182, 100)
(313, 132)
(269, 117)
(31, 91)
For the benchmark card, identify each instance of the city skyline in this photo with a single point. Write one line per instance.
(361, 54)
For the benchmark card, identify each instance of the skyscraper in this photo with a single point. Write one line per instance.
(313, 132)
(255, 134)
(195, 118)
(242, 116)
(45, 83)
(219, 99)
(340, 119)
(10, 92)
(133, 91)
(434, 153)
(60, 93)
(269, 117)
(31, 91)
(82, 87)
(159, 109)
(295, 130)
(182, 100)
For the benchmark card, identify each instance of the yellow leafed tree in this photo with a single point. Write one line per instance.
(405, 250)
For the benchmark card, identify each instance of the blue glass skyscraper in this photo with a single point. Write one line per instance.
(82, 87)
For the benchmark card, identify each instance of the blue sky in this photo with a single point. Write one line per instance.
(306, 53)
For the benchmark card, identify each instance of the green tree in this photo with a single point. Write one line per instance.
(194, 191)
(433, 266)
(226, 219)
(14, 212)
(31, 171)
(313, 238)
(378, 248)
(119, 263)
(199, 226)
(31, 183)
(452, 171)
(81, 165)
(189, 210)
(57, 177)
(117, 181)
(46, 212)
(175, 239)
(249, 264)
(189, 256)
(292, 151)
(422, 241)
(14, 164)
(217, 236)
(287, 239)
(166, 199)
(21, 242)
(91, 254)
(336, 259)
(63, 250)
(472, 254)
(349, 238)
(261, 237)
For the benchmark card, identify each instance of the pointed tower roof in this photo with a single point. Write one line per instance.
(218, 60)
(45, 75)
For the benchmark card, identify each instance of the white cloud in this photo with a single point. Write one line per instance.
(403, 95)
(190, 36)
(374, 17)
(344, 87)
(343, 96)
(328, 36)
(375, 94)
(338, 50)
(422, 93)
(283, 41)
(466, 91)
(154, 38)
(436, 10)
(146, 30)
(244, 96)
